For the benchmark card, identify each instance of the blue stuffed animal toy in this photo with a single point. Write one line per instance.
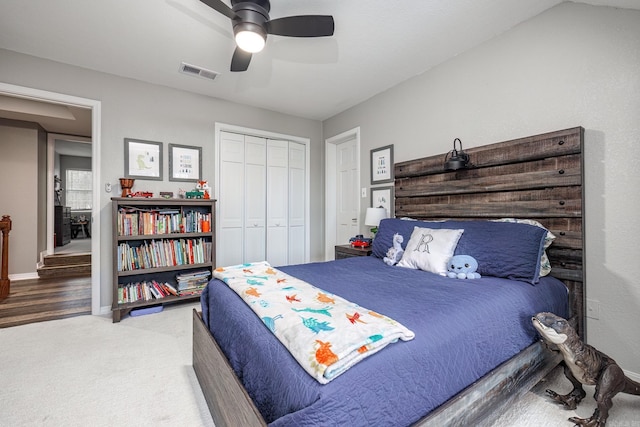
(463, 267)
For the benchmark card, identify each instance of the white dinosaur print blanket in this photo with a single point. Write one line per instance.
(325, 333)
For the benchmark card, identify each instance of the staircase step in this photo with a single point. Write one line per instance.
(64, 270)
(67, 259)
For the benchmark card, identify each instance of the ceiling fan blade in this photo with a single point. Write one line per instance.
(219, 6)
(302, 26)
(240, 60)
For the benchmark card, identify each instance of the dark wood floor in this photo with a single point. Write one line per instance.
(38, 300)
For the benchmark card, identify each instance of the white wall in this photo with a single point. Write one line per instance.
(573, 65)
(136, 109)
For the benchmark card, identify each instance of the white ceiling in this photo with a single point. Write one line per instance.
(377, 44)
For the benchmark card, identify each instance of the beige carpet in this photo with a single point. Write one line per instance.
(535, 409)
(87, 371)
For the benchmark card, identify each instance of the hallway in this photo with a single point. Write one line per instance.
(74, 246)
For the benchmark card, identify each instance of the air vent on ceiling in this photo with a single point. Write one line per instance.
(193, 70)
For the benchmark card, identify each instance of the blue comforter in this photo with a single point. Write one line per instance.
(464, 328)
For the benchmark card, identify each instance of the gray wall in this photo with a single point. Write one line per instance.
(22, 147)
(574, 65)
(134, 109)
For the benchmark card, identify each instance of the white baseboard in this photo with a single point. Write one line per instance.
(105, 309)
(24, 276)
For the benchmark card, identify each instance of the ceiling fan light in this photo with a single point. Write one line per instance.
(250, 41)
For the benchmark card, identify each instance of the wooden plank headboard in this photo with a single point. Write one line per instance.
(538, 177)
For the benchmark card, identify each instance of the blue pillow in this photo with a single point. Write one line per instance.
(390, 226)
(502, 249)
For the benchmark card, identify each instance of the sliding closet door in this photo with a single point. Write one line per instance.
(232, 199)
(297, 203)
(255, 199)
(262, 200)
(277, 202)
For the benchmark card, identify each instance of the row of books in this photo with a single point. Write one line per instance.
(133, 222)
(163, 253)
(149, 290)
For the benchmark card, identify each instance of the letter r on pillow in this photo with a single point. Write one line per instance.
(423, 246)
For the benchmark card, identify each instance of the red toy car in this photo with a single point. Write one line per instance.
(146, 194)
(360, 241)
(360, 244)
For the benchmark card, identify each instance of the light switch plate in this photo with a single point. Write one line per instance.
(364, 192)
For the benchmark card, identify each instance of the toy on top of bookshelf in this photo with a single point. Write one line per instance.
(202, 191)
(146, 194)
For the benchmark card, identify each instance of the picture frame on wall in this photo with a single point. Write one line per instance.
(384, 196)
(382, 165)
(142, 159)
(185, 163)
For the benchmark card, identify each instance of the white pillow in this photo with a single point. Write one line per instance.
(430, 249)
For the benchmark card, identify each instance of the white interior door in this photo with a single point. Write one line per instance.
(277, 202)
(347, 197)
(262, 186)
(255, 199)
(297, 203)
(231, 190)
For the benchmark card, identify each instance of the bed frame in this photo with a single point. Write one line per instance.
(538, 177)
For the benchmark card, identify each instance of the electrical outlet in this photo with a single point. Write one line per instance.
(107, 187)
(593, 309)
(364, 192)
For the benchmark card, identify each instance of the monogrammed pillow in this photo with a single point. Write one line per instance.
(430, 249)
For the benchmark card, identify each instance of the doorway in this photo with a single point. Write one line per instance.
(72, 196)
(52, 98)
(342, 215)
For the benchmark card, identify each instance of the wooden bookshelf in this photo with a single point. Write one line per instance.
(163, 251)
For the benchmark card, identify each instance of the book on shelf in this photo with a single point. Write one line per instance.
(133, 221)
(191, 283)
(187, 284)
(163, 253)
(144, 291)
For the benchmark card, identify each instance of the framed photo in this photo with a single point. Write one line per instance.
(142, 159)
(382, 165)
(383, 196)
(185, 163)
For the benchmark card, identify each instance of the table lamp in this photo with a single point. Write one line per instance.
(373, 218)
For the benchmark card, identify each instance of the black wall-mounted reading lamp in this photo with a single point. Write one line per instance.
(455, 159)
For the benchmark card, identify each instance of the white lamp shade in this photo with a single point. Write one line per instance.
(374, 216)
(250, 41)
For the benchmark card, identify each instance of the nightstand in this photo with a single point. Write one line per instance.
(348, 251)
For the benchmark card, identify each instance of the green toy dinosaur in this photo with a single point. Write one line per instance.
(583, 365)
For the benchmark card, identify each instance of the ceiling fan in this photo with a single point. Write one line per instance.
(251, 24)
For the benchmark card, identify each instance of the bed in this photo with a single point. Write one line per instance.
(467, 378)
